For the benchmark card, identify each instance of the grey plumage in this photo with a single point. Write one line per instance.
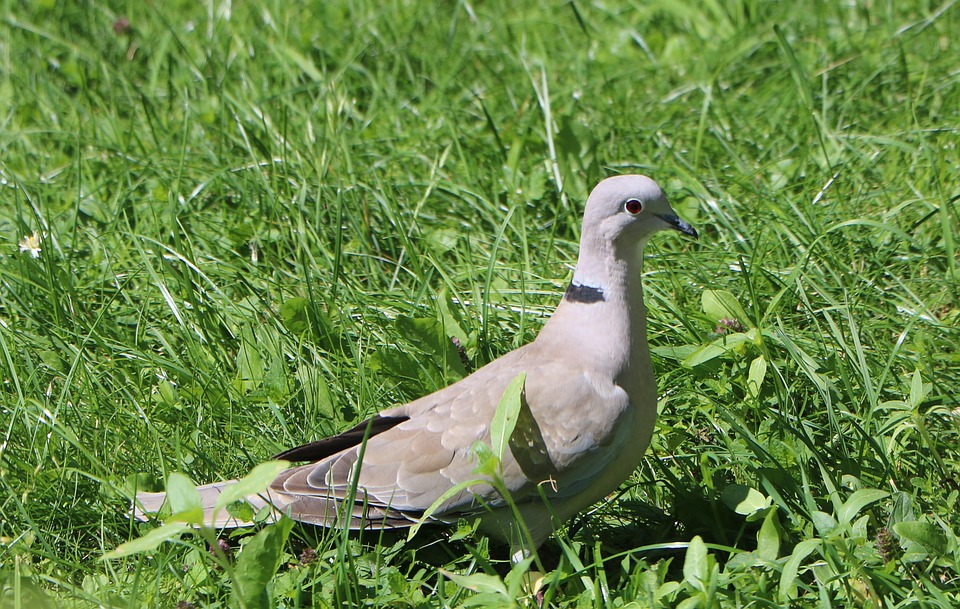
(591, 401)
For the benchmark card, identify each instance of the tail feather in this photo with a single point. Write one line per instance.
(327, 511)
(147, 505)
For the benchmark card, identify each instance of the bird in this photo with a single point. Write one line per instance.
(588, 408)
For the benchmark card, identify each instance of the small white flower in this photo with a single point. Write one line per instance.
(31, 243)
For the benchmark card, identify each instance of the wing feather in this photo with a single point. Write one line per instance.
(426, 447)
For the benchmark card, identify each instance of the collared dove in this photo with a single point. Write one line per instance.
(590, 405)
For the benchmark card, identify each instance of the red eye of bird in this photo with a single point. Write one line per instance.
(633, 206)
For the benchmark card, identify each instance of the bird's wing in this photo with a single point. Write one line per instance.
(564, 435)
(323, 448)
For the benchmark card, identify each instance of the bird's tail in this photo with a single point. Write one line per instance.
(147, 505)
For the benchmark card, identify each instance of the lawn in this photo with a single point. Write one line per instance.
(227, 228)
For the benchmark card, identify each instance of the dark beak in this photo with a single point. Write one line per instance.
(675, 222)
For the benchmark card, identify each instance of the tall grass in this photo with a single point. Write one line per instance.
(259, 223)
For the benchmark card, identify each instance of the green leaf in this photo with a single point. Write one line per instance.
(300, 317)
(184, 499)
(717, 348)
(918, 391)
(678, 353)
(721, 304)
(505, 418)
(695, 565)
(768, 538)
(743, 499)
(51, 359)
(824, 523)
(929, 536)
(491, 591)
(258, 562)
(902, 508)
(425, 358)
(703, 355)
(452, 319)
(429, 334)
(295, 315)
(22, 590)
(254, 483)
(478, 582)
(167, 393)
(487, 461)
(517, 577)
(792, 566)
(857, 501)
(242, 511)
(150, 541)
(758, 369)
(529, 447)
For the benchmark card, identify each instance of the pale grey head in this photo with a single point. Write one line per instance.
(630, 207)
(621, 214)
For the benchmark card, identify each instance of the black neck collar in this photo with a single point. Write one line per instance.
(585, 294)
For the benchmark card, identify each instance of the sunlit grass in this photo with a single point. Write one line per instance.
(232, 212)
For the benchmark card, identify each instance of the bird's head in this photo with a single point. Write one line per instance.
(625, 210)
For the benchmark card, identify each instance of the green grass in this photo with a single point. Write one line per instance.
(415, 171)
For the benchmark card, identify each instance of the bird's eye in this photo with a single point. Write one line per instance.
(633, 206)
